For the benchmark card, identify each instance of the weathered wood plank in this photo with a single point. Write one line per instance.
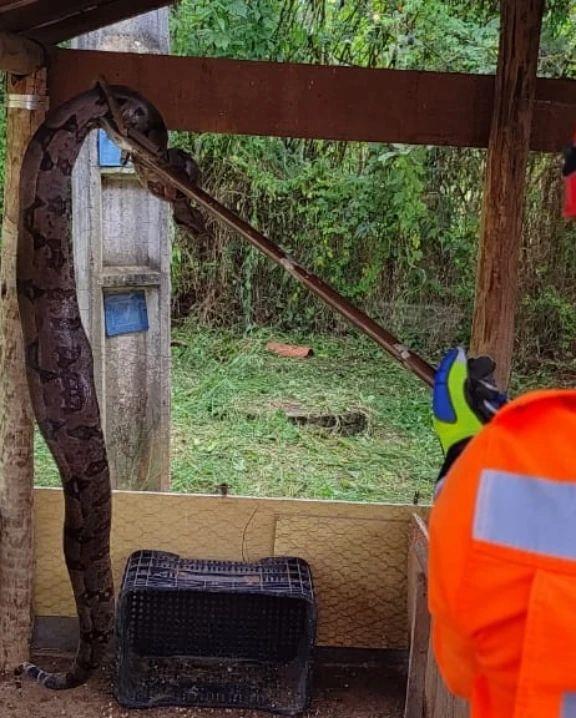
(122, 241)
(499, 256)
(415, 706)
(338, 103)
(94, 18)
(16, 427)
(431, 684)
(419, 543)
(426, 695)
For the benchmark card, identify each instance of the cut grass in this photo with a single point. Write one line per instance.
(226, 428)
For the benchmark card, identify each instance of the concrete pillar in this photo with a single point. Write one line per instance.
(122, 257)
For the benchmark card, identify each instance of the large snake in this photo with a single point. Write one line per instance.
(59, 359)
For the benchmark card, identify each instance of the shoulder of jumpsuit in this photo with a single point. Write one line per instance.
(533, 400)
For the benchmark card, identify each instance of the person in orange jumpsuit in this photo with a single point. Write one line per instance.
(502, 565)
(502, 570)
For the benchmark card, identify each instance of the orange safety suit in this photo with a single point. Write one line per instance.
(502, 571)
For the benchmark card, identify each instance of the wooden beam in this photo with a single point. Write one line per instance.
(500, 242)
(419, 619)
(311, 101)
(20, 55)
(426, 692)
(20, 17)
(16, 422)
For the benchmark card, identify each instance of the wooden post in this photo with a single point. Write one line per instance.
(498, 261)
(20, 55)
(26, 100)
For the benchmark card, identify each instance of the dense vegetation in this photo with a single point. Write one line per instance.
(393, 227)
(228, 424)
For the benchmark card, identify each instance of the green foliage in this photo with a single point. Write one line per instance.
(227, 424)
(392, 227)
(236, 28)
(550, 323)
(379, 33)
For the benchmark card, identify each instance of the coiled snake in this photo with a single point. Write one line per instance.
(59, 359)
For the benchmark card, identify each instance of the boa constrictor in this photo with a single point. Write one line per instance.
(59, 359)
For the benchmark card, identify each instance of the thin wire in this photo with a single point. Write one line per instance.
(245, 531)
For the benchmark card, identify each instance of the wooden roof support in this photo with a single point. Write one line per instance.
(500, 241)
(16, 422)
(20, 55)
(197, 94)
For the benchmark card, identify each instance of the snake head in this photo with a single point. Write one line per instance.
(127, 110)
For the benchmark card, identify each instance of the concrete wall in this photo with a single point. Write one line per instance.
(122, 242)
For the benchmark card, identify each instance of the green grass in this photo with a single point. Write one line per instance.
(227, 427)
(45, 471)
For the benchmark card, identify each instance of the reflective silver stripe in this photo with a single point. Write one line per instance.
(528, 513)
(568, 706)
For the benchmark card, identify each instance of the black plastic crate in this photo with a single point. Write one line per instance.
(215, 633)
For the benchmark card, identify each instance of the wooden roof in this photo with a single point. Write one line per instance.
(52, 21)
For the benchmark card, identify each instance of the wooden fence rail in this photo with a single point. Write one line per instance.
(426, 694)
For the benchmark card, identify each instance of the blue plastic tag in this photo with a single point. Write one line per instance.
(125, 313)
(109, 154)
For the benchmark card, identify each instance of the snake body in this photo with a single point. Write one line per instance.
(59, 360)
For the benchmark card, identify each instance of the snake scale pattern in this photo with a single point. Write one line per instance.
(58, 355)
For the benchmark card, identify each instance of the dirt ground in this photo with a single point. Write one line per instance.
(339, 692)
